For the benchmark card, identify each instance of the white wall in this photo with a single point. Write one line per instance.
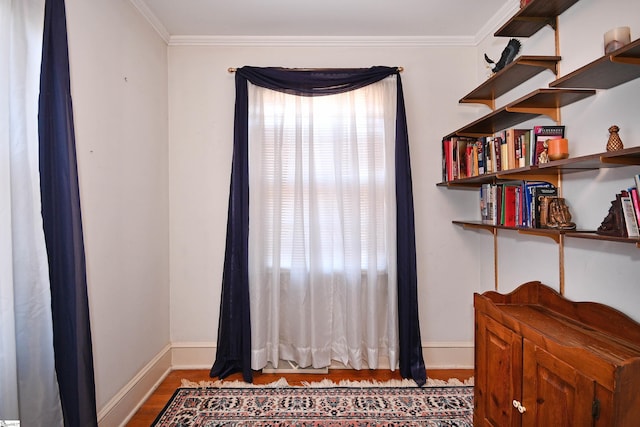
(119, 90)
(595, 271)
(201, 99)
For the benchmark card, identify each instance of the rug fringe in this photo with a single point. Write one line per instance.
(282, 382)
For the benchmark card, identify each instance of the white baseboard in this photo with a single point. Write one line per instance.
(193, 355)
(437, 355)
(448, 355)
(201, 355)
(119, 410)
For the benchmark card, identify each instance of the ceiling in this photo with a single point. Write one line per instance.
(323, 18)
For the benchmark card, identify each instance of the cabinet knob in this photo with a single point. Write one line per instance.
(519, 406)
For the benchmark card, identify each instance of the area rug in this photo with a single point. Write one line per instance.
(353, 404)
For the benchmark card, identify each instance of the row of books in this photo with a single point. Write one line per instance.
(514, 203)
(464, 157)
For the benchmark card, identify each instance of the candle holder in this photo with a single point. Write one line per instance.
(616, 38)
(558, 148)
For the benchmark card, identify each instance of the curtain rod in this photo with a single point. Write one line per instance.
(233, 70)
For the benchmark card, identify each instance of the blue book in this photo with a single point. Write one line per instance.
(530, 205)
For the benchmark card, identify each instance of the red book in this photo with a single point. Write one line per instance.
(635, 198)
(509, 205)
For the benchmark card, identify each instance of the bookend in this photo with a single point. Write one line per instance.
(613, 224)
(554, 213)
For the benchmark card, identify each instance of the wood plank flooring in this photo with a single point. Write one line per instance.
(148, 412)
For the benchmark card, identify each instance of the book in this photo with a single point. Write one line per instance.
(541, 135)
(480, 154)
(488, 154)
(529, 207)
(509, 205)
(463, 152)
(485, 204)
(635, 199)
(504, 154)
(446, 160)
(516, 147)
(630, 221)
(497, 158)
(539, 193)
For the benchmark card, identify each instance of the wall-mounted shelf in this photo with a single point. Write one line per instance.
(606, 72)
(547, 232)
(539, 102)
(549, 171)
(519, 71)
(533, 17)
(594, 236)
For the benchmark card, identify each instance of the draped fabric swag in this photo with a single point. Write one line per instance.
(63, 226)
(234, 333)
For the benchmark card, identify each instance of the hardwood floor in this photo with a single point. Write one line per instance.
(148, 412)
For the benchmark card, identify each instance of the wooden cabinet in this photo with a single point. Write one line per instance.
(542, 360)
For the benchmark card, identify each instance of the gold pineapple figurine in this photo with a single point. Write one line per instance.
(614, 143)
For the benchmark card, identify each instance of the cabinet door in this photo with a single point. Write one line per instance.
(498, 374)
(554, 393)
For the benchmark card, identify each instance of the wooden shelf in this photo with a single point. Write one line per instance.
(549, 171)
(533, 17)
(595, 236)
(519, 71)
(547, 232)
(539, 102)
(619, 67)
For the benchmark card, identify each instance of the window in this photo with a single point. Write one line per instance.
(323, 168)
(322, 254)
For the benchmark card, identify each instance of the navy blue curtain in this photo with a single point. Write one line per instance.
(234, 333)
(63, 226)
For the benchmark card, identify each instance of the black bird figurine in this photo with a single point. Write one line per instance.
(508, 54)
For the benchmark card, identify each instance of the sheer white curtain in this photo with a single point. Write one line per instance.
(28, 385)
(322, 242)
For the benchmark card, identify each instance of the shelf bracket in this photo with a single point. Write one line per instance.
(553, 235)
(550, 65)
(487, 227)
(625, 60)
(631, 161)
(488, 102)
(552, 112)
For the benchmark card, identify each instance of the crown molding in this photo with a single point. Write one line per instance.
(327, 41)
(496, 21)
(153, 20)
(320, 41)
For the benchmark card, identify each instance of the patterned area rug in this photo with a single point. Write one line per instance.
(378, 405)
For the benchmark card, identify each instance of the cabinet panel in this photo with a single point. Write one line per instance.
(498, 374)
(554, 393)
(542, 360)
